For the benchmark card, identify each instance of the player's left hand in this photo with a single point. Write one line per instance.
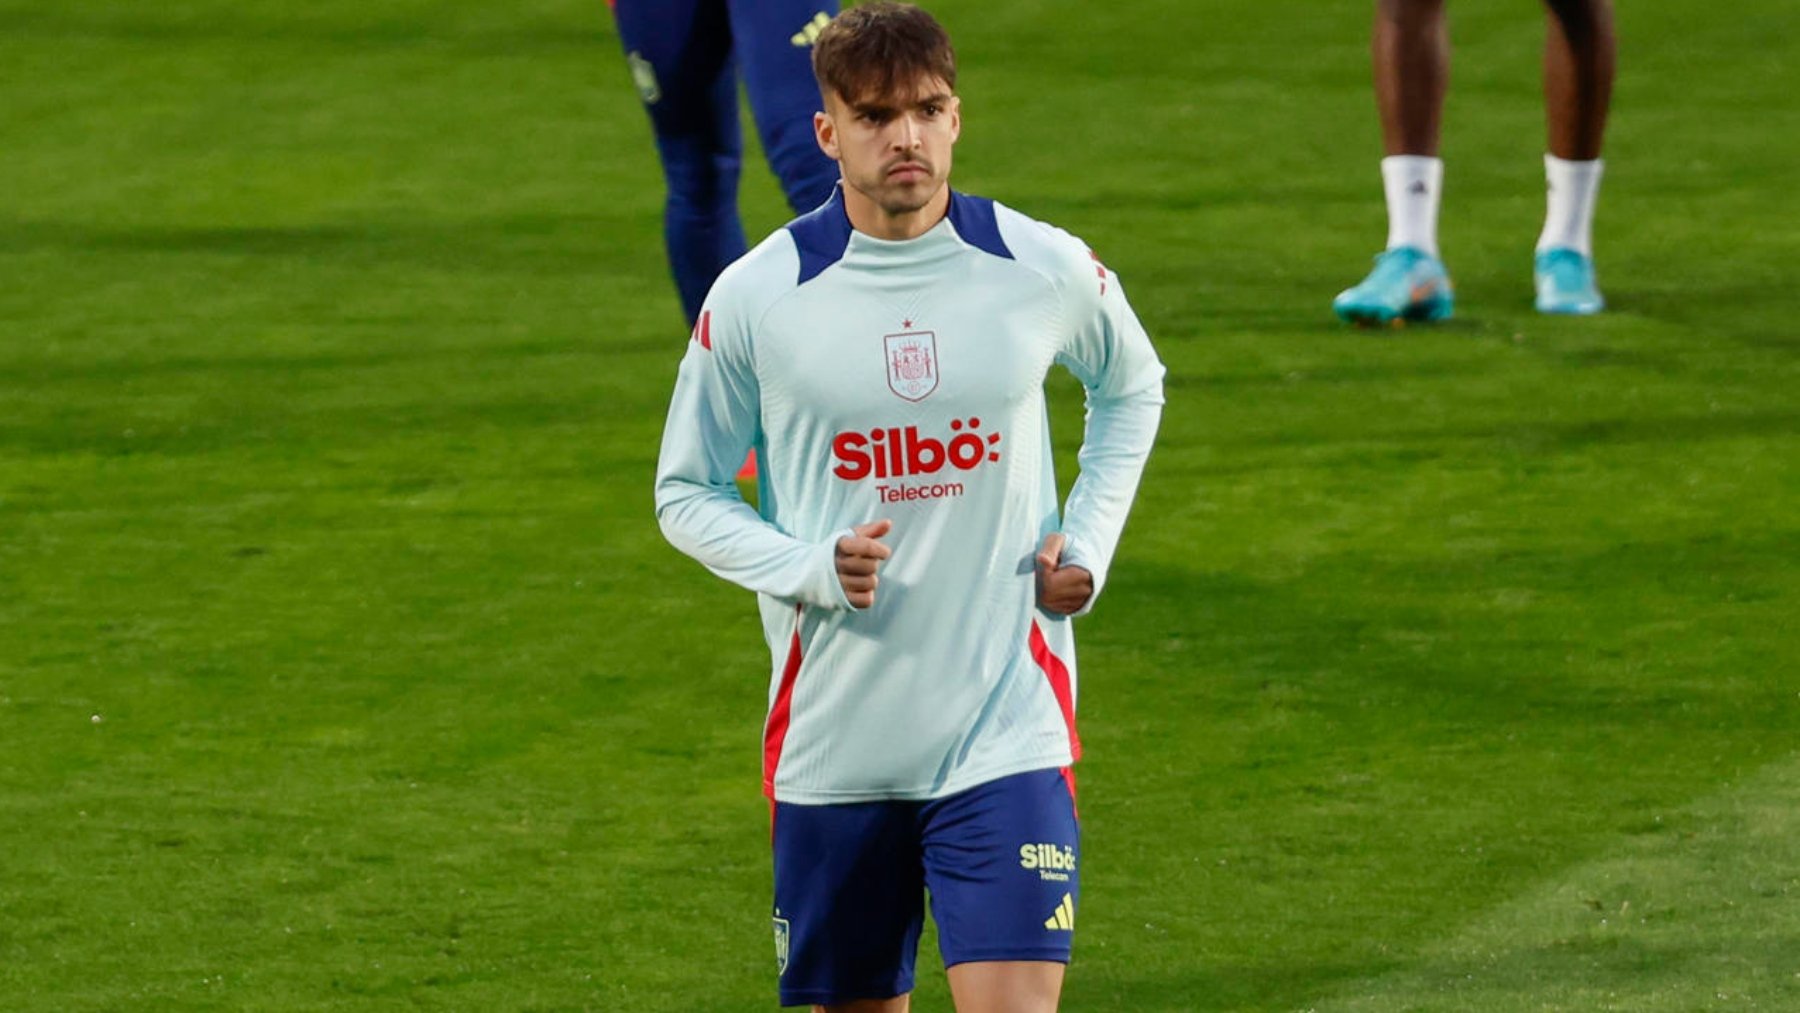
(1060, 589)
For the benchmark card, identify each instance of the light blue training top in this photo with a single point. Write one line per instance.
(905, 380)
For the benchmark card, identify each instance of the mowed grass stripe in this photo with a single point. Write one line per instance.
(1691, 909)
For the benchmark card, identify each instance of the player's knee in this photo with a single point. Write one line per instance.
(806, 175)
(898, 1004)
(701, 184)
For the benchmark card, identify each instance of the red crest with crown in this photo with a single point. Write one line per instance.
(912, 364)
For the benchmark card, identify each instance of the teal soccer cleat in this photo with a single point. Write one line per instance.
(1565, 283)
(1406, 284)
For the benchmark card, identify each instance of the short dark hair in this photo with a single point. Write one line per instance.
(877, 48)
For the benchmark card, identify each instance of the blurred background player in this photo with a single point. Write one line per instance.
(1411, 53)
(685, 57)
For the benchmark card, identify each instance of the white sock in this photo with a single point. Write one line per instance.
(1412, 184)
(1569, 216)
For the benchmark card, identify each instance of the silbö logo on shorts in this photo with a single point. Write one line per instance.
(1052, 862)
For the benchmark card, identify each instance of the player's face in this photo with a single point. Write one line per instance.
(893, 149)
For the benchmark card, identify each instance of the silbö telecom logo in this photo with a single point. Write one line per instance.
(1053, 862)
(893, 452)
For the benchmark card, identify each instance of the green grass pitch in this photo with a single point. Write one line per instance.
(342, 666)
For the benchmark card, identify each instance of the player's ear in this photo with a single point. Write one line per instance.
(955, 117)
(825, 132)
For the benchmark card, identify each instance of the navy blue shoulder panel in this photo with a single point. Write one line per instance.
(973, 219)
(821, 235)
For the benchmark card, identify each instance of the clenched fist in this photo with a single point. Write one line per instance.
(1060, 589)
(859, 555)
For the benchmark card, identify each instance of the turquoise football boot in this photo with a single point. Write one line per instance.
(1565, 283)
(1406, 284)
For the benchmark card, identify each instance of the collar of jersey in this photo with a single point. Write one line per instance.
(824, 237)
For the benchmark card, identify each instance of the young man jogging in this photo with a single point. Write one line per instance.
(885, 356)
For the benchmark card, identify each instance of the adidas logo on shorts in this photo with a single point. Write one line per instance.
(1063, 919)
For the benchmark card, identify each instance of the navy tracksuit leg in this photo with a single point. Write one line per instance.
(680, 54)
(685, 55)
(783, 94)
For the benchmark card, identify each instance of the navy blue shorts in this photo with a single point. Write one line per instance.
(999, 860)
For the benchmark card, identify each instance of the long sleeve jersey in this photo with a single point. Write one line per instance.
(905, 380)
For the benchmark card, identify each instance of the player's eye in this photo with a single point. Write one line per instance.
(932, 109)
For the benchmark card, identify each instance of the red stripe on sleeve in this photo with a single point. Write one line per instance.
(1058, 674)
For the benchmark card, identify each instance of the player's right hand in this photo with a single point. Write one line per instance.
(859, 555)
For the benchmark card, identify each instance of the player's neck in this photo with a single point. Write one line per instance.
(872, 219)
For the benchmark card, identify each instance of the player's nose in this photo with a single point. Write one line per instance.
(908, 136)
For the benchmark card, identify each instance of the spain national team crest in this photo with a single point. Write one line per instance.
(643, 74)
(912, 364)
(781, 943)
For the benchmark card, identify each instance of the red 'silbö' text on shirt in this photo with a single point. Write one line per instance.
(896, 452)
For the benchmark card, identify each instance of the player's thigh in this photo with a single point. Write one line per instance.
(773, 42)
(1006, 986)
(680, 52)
(1002, 864)
(849, 901)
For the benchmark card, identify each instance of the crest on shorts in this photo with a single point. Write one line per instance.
(912, 363)
(781, 943)
(644, 76)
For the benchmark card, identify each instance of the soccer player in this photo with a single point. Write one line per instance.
(684, 57)
(886, 356)
(1412, 58)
